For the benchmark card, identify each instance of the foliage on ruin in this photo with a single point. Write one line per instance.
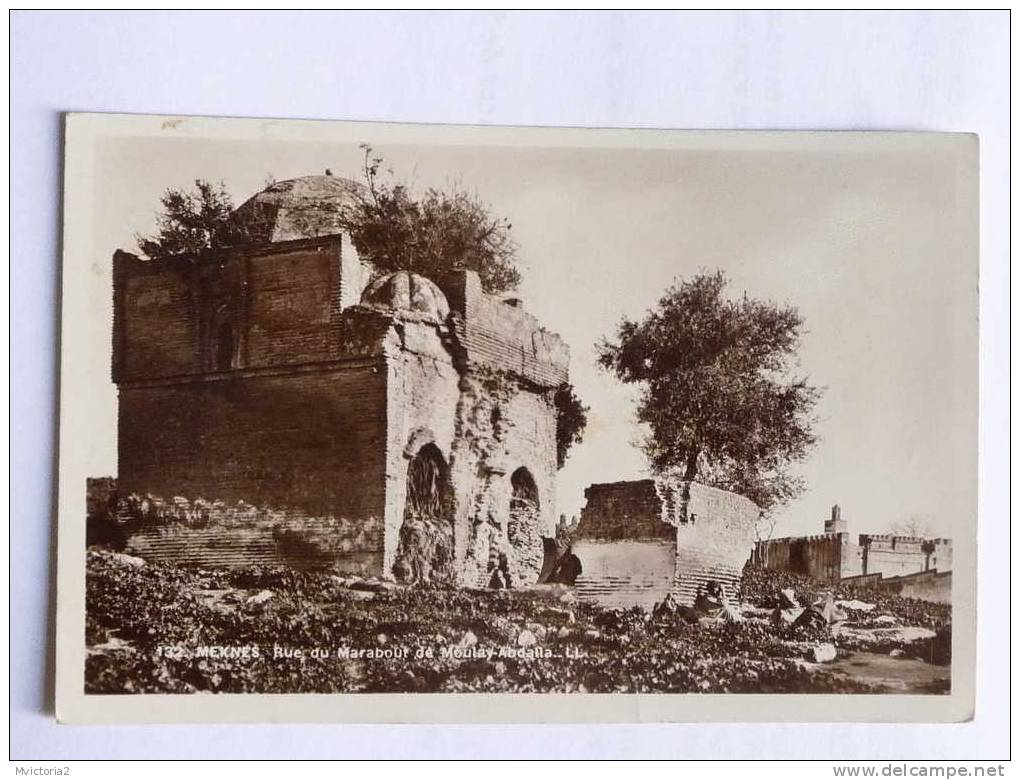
(392, 226)
(719, 393)
(193, 221)
(430, 233)
(571, 420)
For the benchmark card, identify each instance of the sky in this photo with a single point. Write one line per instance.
(866, 244)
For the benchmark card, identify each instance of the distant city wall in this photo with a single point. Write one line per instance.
(826, 557)
(888, 561)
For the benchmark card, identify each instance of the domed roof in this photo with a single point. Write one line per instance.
(404, 291)
(299, 208)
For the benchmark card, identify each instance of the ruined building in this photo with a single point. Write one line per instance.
(284, 401)
(642, 539)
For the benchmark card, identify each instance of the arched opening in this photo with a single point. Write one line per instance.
(425, 545)
(523, 525)
(225, 346)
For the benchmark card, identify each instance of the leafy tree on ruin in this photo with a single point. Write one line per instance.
(431, 234)
(571, 420)
(193, 221)
(718, 391)
(391, 227)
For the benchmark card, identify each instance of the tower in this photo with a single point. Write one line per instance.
(835, 524)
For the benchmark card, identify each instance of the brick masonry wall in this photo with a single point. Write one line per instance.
(158, 326)
(494, 334)
(311, 443)
(710, 531)
(217, 535)
(283, 303)
(624, 510)
(322, 405)
(715, 537)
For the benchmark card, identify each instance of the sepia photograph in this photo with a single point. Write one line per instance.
(376, 410)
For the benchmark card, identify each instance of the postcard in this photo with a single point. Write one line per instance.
(408, 423)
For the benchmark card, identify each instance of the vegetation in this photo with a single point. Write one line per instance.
(193, 222)
(571, 420)
(717, 392)
(156, 628)
(431, 234)
(391, 226)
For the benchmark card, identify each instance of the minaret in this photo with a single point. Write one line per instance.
(835, 524)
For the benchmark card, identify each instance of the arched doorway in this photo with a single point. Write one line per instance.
(425, 544)
(523, 525)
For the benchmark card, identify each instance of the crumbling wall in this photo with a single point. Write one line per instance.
(500, 428)
(715, 537)
(281, 303)
(421, 397)
(214, 534)
(501, 336)
(624, 510)
(256, 375)
(710, 531)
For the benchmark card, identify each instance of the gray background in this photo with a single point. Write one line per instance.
(933, 71)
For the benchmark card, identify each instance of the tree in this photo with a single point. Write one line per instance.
(192, 222)
(571, 419)
(915, 525)
(431, 234)
(717, 392)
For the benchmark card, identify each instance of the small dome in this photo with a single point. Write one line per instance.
(404, 291)
(299, 208)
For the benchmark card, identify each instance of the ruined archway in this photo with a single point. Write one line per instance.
(523, 526)
(425, 544)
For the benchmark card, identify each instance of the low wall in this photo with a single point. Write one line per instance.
(715, 538)
(929, 585)
(200, 534)
(623, 573)
(708, 533)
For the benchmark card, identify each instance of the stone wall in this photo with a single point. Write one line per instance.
(833, 556)
(710, 531)
(892, 555)
(827, 557)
